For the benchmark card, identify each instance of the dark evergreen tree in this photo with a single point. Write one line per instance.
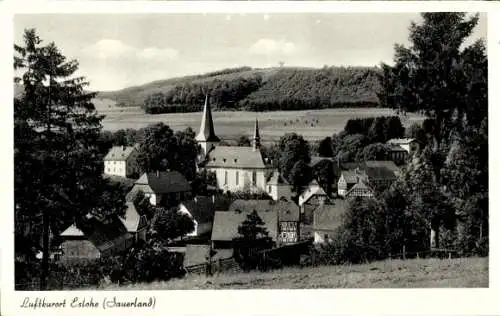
(57, 153)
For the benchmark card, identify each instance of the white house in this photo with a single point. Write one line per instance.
(411, 145)
(121, 161)
(235, 168)
(278, 187)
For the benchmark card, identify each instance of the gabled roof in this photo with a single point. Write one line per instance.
(280, 207)
(133, 221)
(276, 178)
(165, 182)
(226, 224)
(309, 192)
(201, 208)
(328, 217)
(207, 131)
(235, 157)
(359, 186)
(381, 170)
(119, 153)
(401, 141)
(72, 231)
(349, 176)
(103, 235)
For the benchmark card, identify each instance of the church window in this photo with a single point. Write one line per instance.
(237, 177)
(225, 177)
(254, 178)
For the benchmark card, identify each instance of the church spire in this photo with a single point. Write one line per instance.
(256, 136)
(207, 131)
(206, 136)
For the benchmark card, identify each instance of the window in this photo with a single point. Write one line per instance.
(225, 177)
(269, 188)
(237, 177)
(254, 178)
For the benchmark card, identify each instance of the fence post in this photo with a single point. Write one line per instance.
(449, 255)
(404, 252)
(418, 257)
(220, 265)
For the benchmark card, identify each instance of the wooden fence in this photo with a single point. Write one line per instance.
(215, 266)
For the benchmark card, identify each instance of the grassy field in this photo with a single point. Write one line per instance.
(417, 273)
(312, 124)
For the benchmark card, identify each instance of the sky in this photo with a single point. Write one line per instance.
(123, 50)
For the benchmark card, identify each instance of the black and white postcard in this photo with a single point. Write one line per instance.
(179, 148)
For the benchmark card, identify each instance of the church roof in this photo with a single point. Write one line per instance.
(207, 131)
(164, 182)
(235, 157)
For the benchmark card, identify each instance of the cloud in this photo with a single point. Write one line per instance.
(266, 46)
(154, 52)
(112, 49)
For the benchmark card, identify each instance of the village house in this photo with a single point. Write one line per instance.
(370, 175)
(236, 168)
(135, 223)
(346, 181)
(281, 219)
(360, 189)
(327, 219)
(397, 154)
(310, 198)
(98, 239)
(278, 187)
(165, 188)
(410, 145)
(121, 161)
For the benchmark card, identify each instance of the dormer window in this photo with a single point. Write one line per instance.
(235, 160)
(224, 159)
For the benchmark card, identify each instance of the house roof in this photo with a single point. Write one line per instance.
(284, 209)
(395, 147)
(328, 217)
(226, 223)
(133, 221)
(164, 182)
(400, 141)
(276, 178)
(119, 153)
(235, 157)
(381, 170)
(359, 186)
(312, 190)
(349, 176)
(201, 208)
(72, 231)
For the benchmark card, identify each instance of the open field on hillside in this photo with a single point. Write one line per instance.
(312, 124)
(417, 273)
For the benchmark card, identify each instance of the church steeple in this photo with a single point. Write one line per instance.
(206, 136)
(256, 136)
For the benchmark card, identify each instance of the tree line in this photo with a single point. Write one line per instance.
(286, 89)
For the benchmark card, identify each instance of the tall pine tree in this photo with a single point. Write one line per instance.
(58, 164)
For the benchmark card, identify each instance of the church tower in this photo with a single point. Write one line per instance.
(256, 137)
(206, 137)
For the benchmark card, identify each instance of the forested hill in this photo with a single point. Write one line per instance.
(245, 88)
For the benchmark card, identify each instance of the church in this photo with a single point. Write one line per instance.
(236, 168)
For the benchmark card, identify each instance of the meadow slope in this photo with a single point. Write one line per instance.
(416, 273)
(229, 125)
